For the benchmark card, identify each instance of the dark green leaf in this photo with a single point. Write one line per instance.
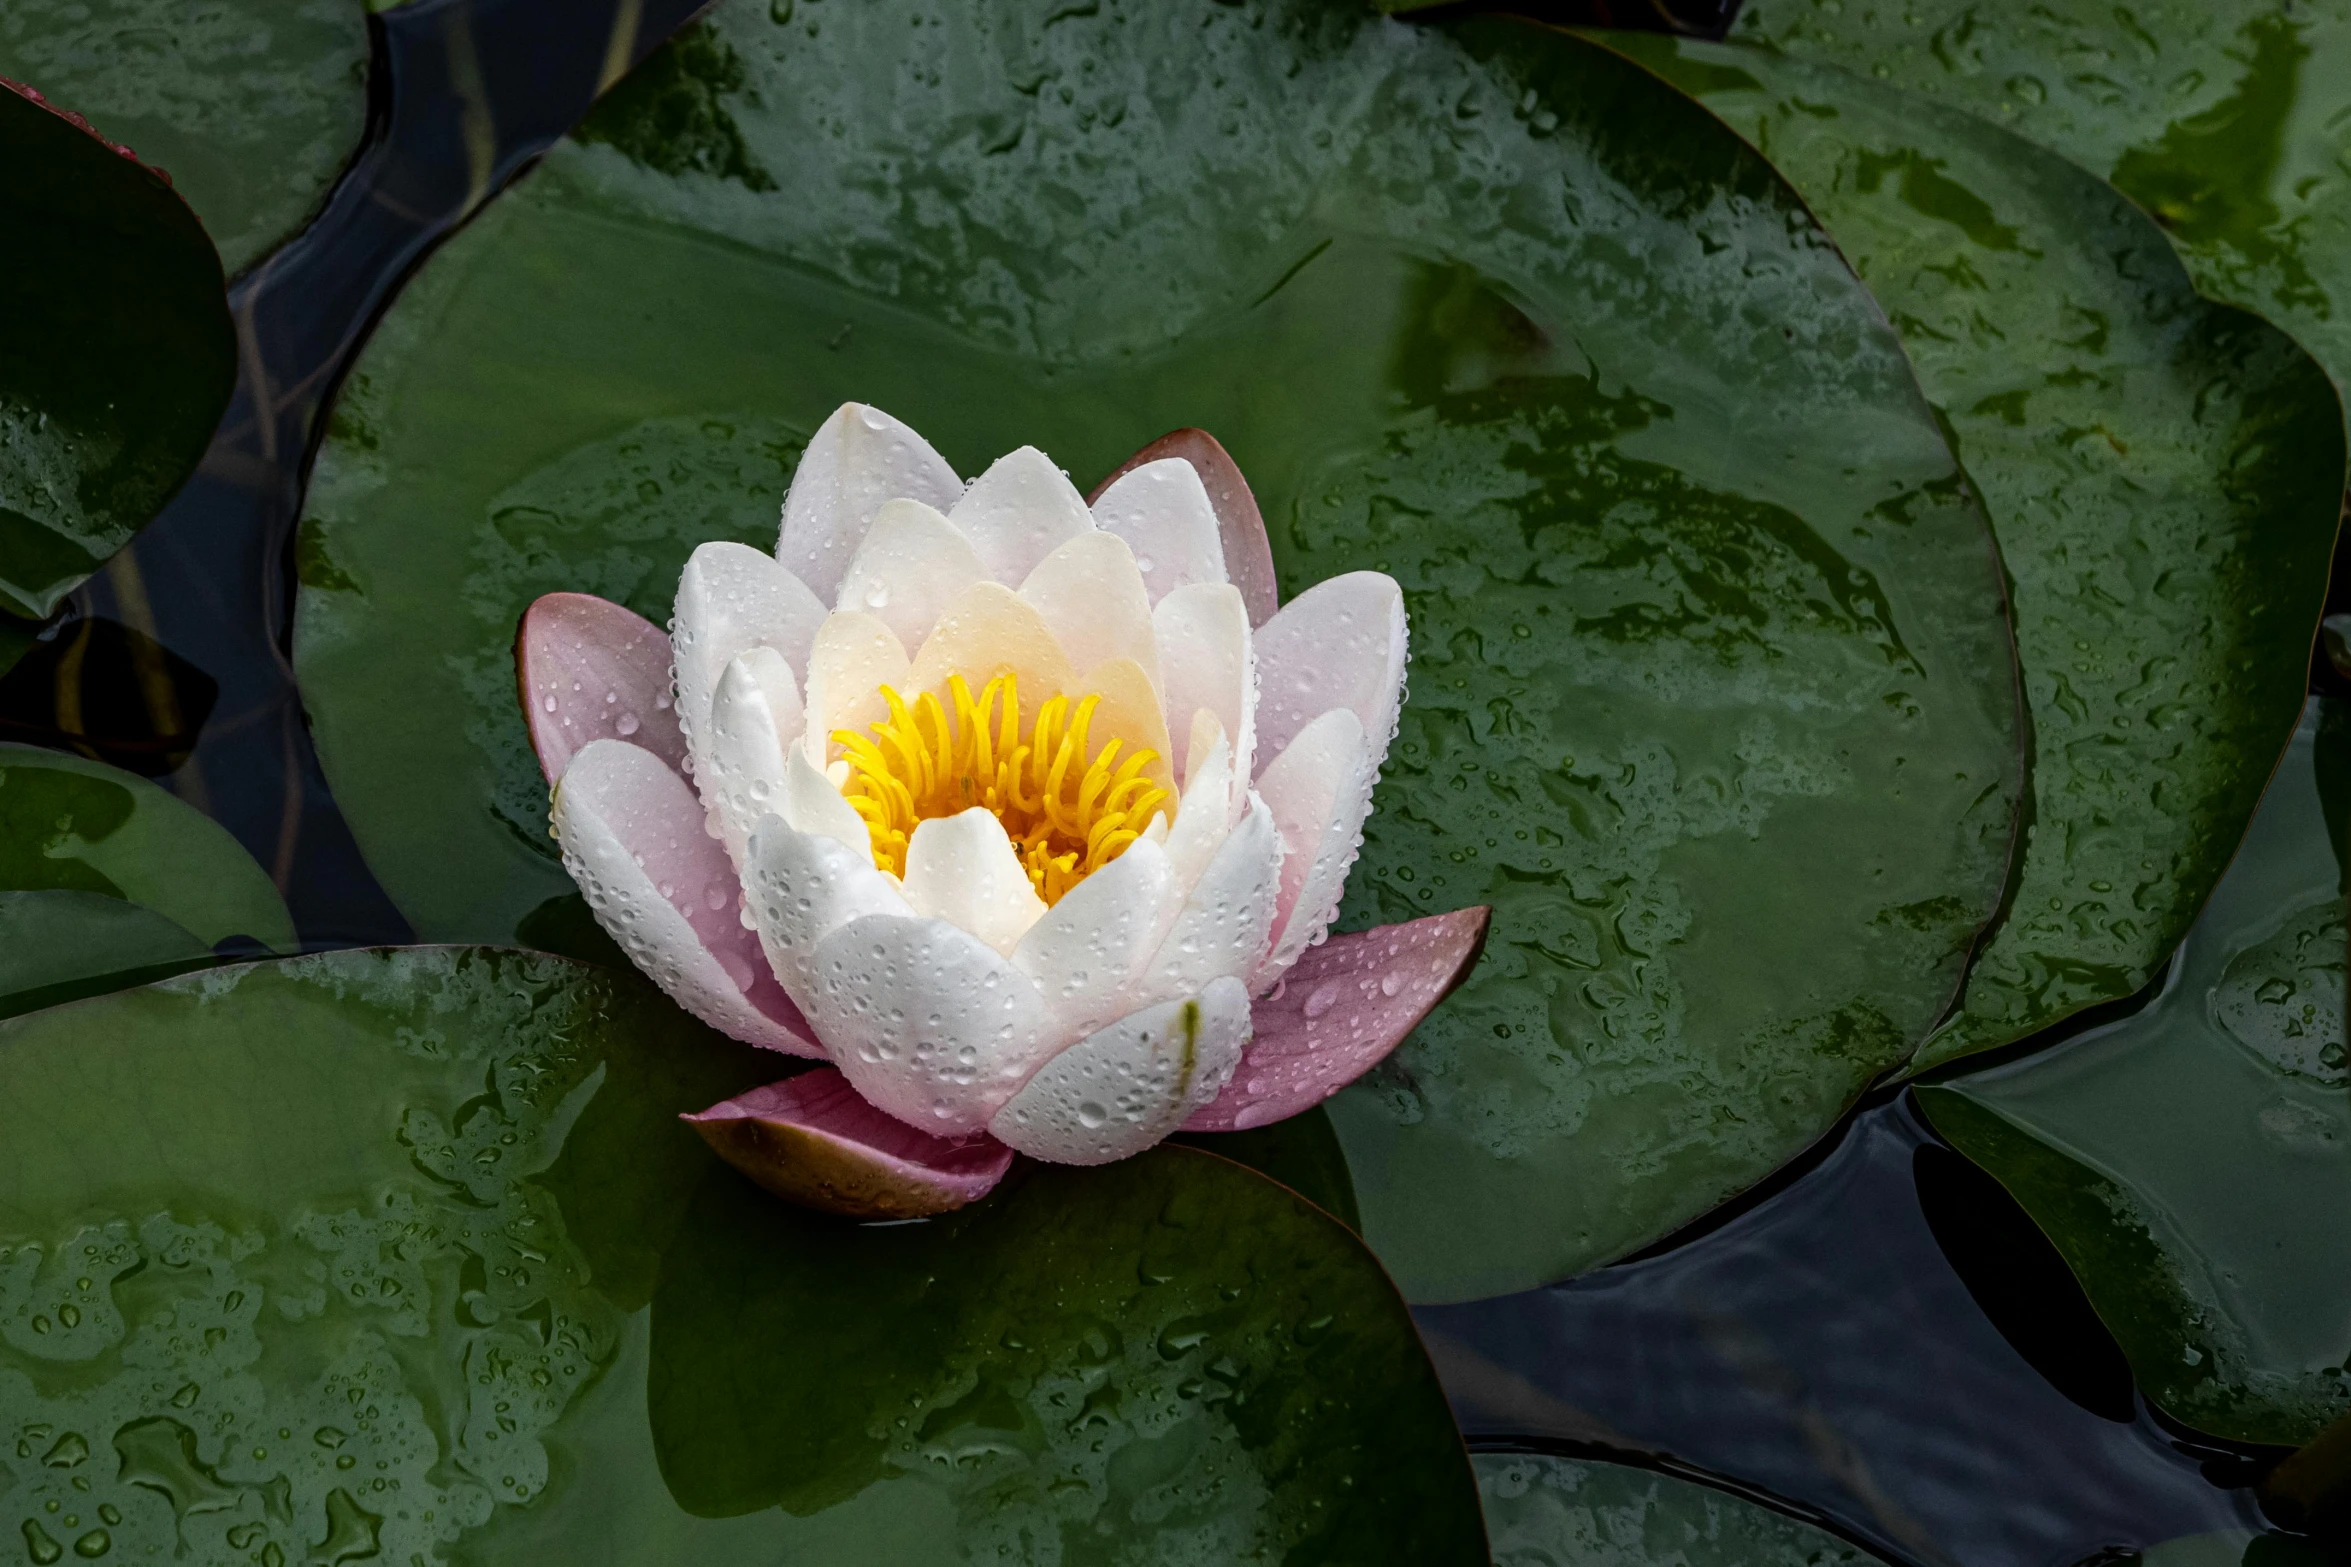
(81, 826)
(2222, 118)
(252, 106)
(59, 945)
(2164, 476)
(2193, 1162)
(118, 355)
(1711, 698)
(1167, 1348)
(1568, 1512)
(1302, 1153)
(348, 1256)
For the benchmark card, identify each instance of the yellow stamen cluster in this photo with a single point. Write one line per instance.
(1067, 812)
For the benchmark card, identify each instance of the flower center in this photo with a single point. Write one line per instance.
(1068, 810)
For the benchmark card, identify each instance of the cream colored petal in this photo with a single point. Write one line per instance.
(731, 598)
(855, 655)
(801, 887)
(1129, 711)
(927, 1021)
(1124, 1088)
(1205, 662)
(909, 568)
(1204, 816)
(988, 631)
(812, 803)
(962, 869)
(1093, 943)
(1162, 511)
(1320, 791)
(1020, 511)
(859, 458)
(1341, 643)
(1226, 923)
(753, 718)
(632, 837)
(1092, 596)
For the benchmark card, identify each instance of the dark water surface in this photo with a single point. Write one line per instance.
(1881, 1343)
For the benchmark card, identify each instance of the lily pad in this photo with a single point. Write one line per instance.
(253, 106)
(2164, 476)
(1713, 695)
(118, 356)
(2222, 118)
(73, 825)
(357, 1248)
(60, 945)
(1543, 1511)
(2193, 1162)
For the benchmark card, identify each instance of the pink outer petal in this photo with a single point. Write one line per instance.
(591, 670)
(1340, 1011)
(813, 1140)
(1248, 557)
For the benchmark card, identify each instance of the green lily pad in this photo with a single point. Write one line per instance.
(61, 945)
(2164, 475)
(118, 356)
(349, 1256)
(1712, 695)
(2222, 118)
(252, 106)
(2193, 1162)
(1543, 1511)
(67, 824)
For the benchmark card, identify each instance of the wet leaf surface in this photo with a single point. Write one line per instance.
(1568, 1512)
(252, 106)
(70, 826)
(1711, 694)
(349, 1256)
(2162, 473)
(2222, 118)
(2193, 1162)
(118, 355)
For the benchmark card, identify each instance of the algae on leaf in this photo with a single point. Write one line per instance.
(2164, 475)
(1712, 693)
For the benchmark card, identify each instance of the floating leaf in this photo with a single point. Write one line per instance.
(2222, 118)
(2164, 476)
(118, 355)
(2193, 1161)
(1568, 1512)
(253, 106)
(357, 1249)
(1711, 694)
(70, 825)
(60, 945)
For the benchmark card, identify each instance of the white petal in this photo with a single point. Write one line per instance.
(1205, 662)
(811, 803)
(1092, 597)
(855, 655)
(1119, 1091)
(927, 1021)
(909, 569)
(731, 599)
(754, 716)
(1162, 511)
(802, 887)
(1320, 791)
(1226, 924)
(990, 630)
(1018, 512)
(1093, 943)
(858, 458)
(633, 839)
(1204, 814)
(962, 869)
(1341, 643)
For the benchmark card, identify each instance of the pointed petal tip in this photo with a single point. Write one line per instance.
(1248, 555)
(812, 1140)
(588, 669)
(1340, 1011)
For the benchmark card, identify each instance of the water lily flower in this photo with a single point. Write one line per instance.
(1027, 814)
